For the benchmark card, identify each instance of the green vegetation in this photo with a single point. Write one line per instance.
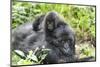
(35, 57)
(81, 18)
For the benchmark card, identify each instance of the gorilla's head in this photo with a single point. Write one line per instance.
(51, 21)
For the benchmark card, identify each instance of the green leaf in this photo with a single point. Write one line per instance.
(25, 62)
(34, 57)
(19, 52)
(43, 56)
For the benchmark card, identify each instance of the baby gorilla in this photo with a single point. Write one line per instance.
(47, 31)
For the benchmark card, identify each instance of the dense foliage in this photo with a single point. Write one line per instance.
(81, 18)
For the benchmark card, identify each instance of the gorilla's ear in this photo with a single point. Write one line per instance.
(37, 22)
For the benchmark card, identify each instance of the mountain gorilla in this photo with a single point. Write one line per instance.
(47, 31)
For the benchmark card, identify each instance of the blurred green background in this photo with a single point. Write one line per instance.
(80, 18)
